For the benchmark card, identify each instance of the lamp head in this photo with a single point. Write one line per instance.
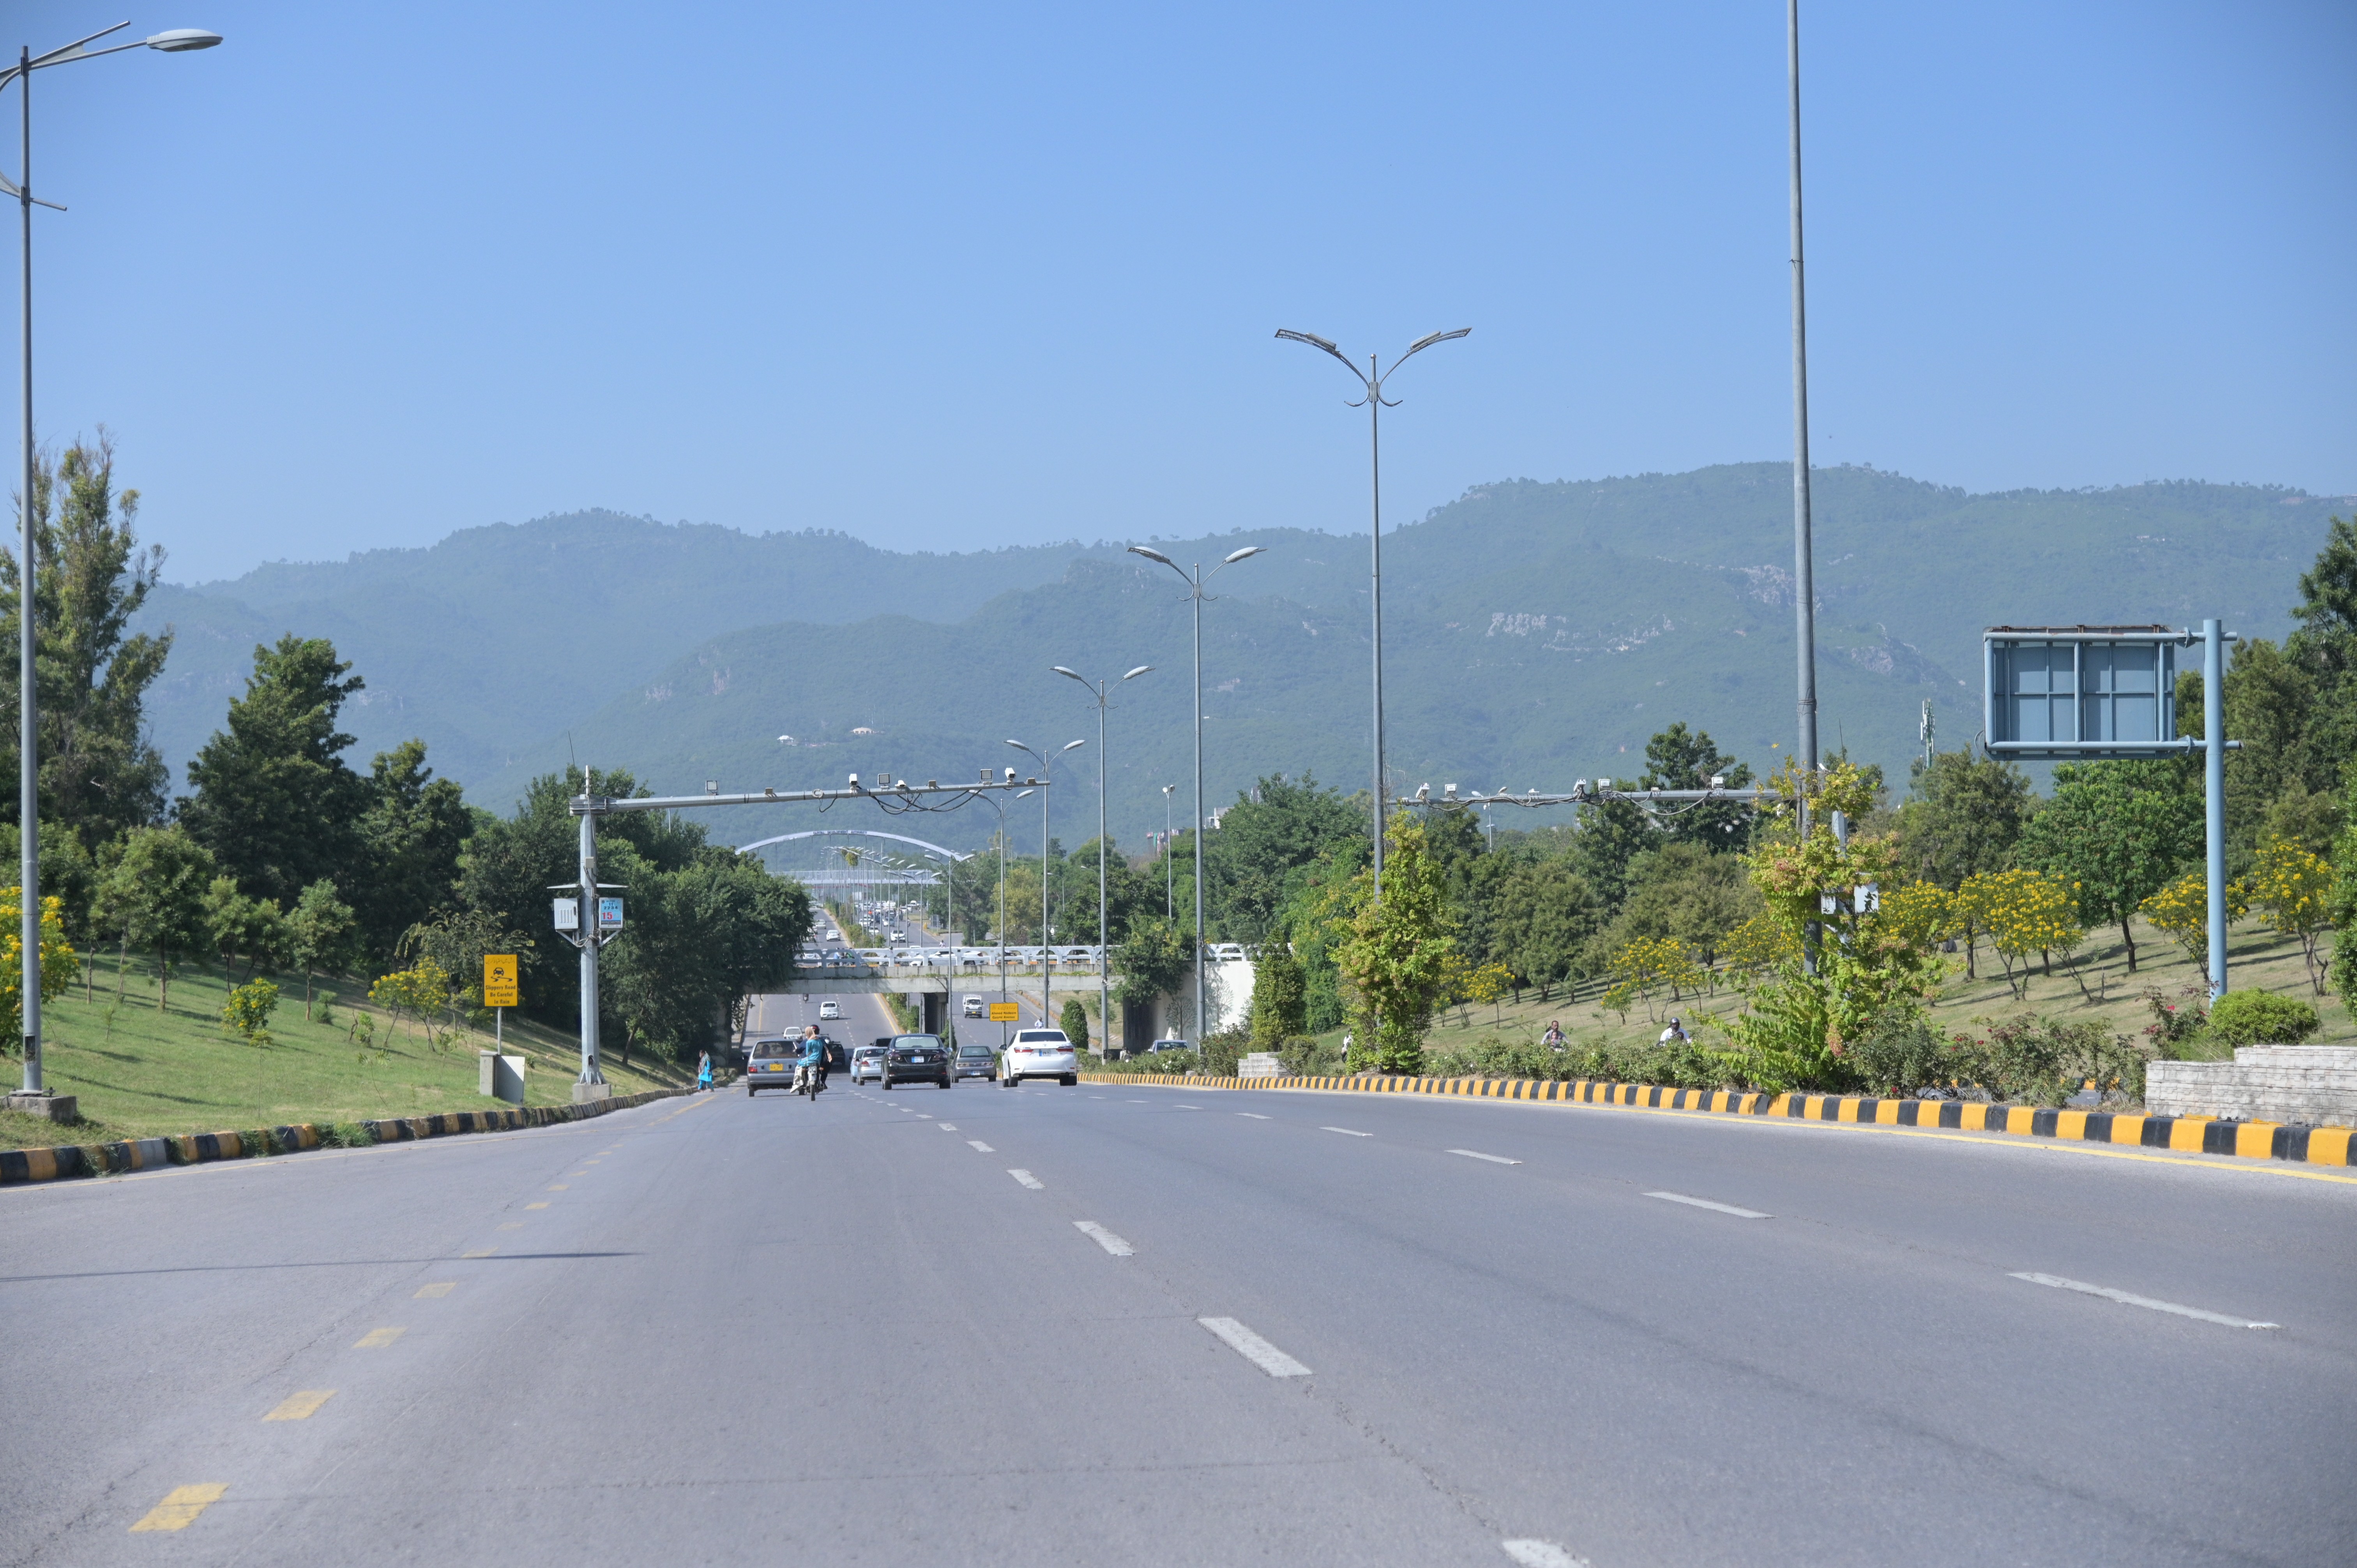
(1137, 672)
(1311, 338)
(1152, 555)
(181, 41)
(1073, 673)
(1427, 340)
(1070, 745)
(1249, 550)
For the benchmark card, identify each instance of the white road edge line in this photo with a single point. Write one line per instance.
(2127, 1299)
(1346, 1131)
(1254, 1349)
(979, 1146)
(1027, 1179)
(1478, 1154)
(1541, 1555)
(1104, 1238)
(1705, 1203)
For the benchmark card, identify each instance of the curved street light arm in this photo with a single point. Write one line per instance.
(1317, 342)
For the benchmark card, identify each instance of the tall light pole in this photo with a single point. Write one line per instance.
(179, 40)
(1196, 594)
(1372, 379)
(1804, 591)
(1169, 861)
(1046, 964)
(1105, 993)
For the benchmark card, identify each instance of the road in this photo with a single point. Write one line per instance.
(969, 1328)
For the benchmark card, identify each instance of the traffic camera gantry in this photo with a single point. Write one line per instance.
(895, 798)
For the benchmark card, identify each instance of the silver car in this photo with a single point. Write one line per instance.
(1040, 1053)
(866, 1062)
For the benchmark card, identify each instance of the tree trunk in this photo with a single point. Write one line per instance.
(307, 994)
(2130, 939)
(163, 981)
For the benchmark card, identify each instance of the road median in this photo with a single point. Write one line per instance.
(69, 1160)
(2183, 1135)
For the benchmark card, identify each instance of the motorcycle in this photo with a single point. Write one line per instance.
(811, 1081)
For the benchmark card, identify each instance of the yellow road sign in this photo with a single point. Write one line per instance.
(499, 980)
(1005, 1012)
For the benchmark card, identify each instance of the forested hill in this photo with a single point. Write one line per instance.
(1532, 630)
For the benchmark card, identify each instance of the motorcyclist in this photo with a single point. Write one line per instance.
(1675, 1034)
(810, 1067)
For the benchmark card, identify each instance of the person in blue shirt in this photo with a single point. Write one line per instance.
(810, 1067)
(703, 1070)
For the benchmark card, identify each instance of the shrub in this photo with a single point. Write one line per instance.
(2045, 1061)
(248, 1010)
(1220, 1050)
(1902, 1056)
(1075, 1024)
(2179, 1029)
(2261, 1018)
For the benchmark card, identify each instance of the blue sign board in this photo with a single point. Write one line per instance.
(2081, 690)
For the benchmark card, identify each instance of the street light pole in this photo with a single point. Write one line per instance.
(1104, 994)
(1047, 965)
(1805, 592)
(1372, 379)
(1169, 861)
(1195, 595)
(179, 40)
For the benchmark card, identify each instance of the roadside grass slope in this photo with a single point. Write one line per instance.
(141, 1073)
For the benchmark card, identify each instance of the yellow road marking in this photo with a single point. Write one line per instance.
(180, 1507)
(439, 1287)
(479, 1253)
(535, 1205)
(378, 1338)
(512, 1225)
(301, 1406)
(558, 1187)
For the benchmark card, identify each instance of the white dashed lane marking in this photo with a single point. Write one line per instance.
(2126, 1299)
(1541, 1555)
(979, 1146)
(1254, 1349)
(1254, 1114)
(1478, 1154)
(1706, 1203)
(1104, 1238)
(1346, 1131)
(1027, 1179)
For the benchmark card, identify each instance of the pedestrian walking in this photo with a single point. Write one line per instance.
(703, 1070)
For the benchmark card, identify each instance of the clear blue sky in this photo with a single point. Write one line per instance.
(953, 276)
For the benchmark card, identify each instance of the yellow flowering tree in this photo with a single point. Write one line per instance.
(1648, 966)
(2025, 912)
(422, 990)
(2294, 885)
(2181, 912)
(59, 962)
(1872, 956)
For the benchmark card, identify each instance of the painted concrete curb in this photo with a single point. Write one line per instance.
(2185, 1135)
(60, 1164)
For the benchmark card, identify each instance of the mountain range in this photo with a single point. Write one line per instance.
(1533, 633)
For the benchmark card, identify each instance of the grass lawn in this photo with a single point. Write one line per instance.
(140, 1072)
(2254, 957)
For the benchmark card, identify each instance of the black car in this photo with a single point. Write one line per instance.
(917, 1059)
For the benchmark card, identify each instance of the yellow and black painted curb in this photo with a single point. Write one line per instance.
(2184, 1135)
(202, 1148)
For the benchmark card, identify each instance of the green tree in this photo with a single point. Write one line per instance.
(1542, 921)
(1965, 816)
(99, 776)
(1280, 1007)
(2345, 905)
(239, 925)
(1683, 894)
(1678, 760)
(1399, 955)
(2116, 832)
(1265, 843)
(1151, 959)
(1075, 1024)
(274, 801)
(2325, 648)
(319, 930)
(410, 839)
(154, 895)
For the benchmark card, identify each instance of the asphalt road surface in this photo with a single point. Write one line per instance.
(1103, 1325)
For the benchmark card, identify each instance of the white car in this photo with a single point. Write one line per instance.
(973, 1008)
(1040, 1053)
(830, 1010)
